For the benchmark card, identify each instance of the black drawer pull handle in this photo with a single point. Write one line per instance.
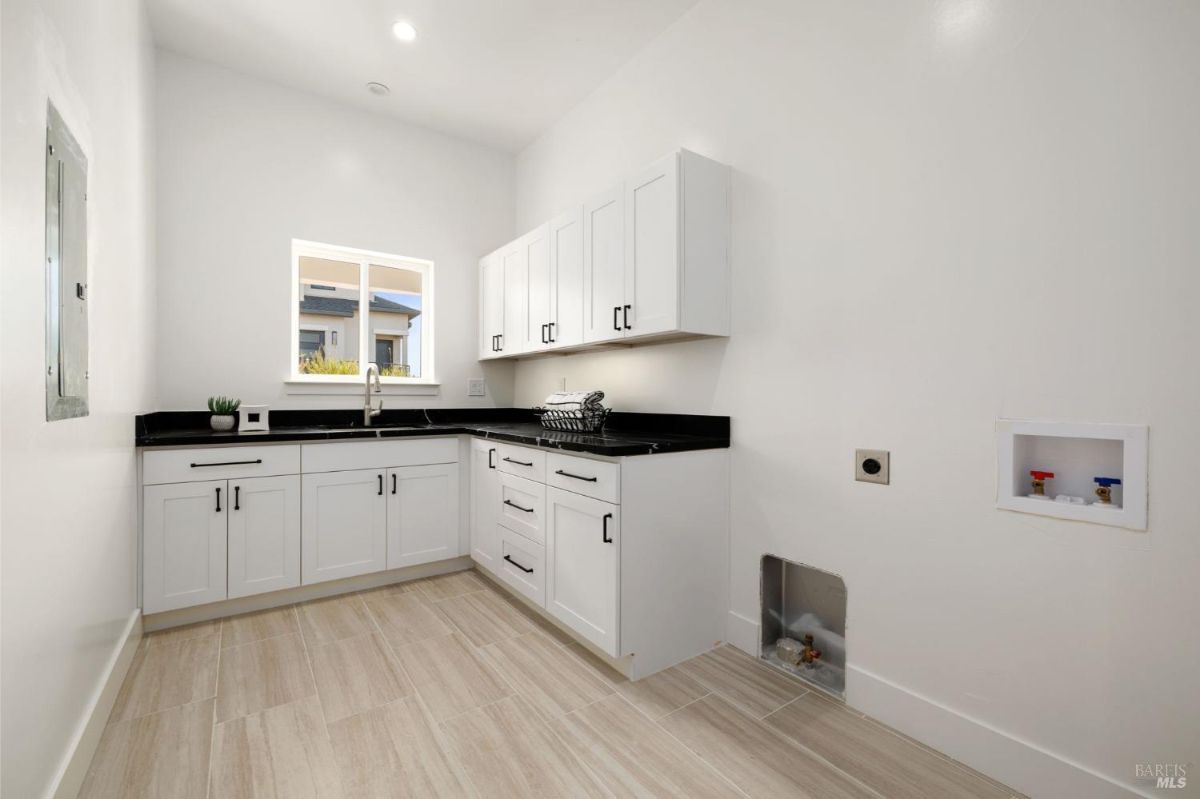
(228, 463)
(518, 565)
(491, 463)
(380, 476)
(393, 482)
(519, 463)
(218, 500)
(576, 476)
(512, 504)
(237, 497)
(605, 537)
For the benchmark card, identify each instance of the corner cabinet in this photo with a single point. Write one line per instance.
(647, 259)
(630, 554)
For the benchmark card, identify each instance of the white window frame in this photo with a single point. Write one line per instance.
(365, 259)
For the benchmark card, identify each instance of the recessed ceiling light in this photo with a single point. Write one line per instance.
(378, 89)
(404, 31)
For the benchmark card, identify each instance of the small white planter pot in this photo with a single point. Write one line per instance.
(222, 423)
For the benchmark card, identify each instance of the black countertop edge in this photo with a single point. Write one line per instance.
(624, 434)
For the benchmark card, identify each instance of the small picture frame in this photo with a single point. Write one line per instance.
(253, 417)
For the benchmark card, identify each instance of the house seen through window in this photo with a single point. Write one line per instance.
(353, 308)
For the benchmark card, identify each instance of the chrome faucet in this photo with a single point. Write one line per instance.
(369, 409)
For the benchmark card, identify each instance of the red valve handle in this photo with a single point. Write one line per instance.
(1036, 475)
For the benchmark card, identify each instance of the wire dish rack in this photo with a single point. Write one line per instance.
(581, 421)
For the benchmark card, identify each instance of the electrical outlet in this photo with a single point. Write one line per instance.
(872, 466)
(477, 387)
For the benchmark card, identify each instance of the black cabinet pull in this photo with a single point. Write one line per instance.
(380, 476)
(218, 500)
(627, 325)
(519, 463)
(227, 463)
(518, 565)
(499, 342)
(491, 462)
(511, 504)
(545, 333)
(393, 482)
(605, 537)
(576, 476)
(550, 328)
(616, 313)
(237, 497)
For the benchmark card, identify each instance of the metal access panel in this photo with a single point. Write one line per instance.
(799, 601)
(66, 272)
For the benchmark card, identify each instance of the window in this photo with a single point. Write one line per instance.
(351, 308)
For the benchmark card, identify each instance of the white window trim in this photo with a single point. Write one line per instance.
(297, 382)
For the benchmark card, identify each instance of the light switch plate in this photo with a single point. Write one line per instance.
(477, 387)
(872, 466)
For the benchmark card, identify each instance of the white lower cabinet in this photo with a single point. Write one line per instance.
(183, 539)
(264, 534)
(522, 564)
(583, 541)
(422, 514)
(485, 503)
(344, 524)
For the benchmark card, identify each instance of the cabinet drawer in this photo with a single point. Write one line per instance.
(341, 456)
(218, 463)
(522, 461)
(592, 478)
(523, 506)
(523, 565)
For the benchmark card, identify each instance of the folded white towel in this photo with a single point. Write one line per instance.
(575, 400)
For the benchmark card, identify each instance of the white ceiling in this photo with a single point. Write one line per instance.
(495, 71)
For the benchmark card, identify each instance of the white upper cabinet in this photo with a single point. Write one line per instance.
(647, 259)
(491, 304)
(566, 280)
(604, 266)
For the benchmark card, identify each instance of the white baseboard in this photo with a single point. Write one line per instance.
(83, 744)
(742, 633)
(1020, 764)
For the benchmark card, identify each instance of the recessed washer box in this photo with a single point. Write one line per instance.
(1076, 453)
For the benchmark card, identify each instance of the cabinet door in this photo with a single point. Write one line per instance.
(604, 266)
(516, 301)
(264, 534)
(343, 524)
(485, 499)
(566, 279)
(422, 514)
(536, 335)
(583, 540)
(652, 249)
(491, 305)
(183, 540)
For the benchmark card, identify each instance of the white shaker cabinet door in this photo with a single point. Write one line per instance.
(604, 267)
(344, 525)
(652, 249)
(264, 534)
(583, 540)
(422, 514)
(184, 544)
(485, 500)
(566, 275)
(491, 305)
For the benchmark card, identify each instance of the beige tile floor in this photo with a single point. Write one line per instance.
(446, 687)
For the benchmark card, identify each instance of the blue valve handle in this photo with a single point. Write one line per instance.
(1107, 482)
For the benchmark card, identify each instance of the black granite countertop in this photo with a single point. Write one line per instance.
(624, 433)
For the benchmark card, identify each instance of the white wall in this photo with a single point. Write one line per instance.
(68, 517)
(245, 166)
(944, 213)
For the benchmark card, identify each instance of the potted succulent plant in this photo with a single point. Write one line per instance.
(223, 410)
